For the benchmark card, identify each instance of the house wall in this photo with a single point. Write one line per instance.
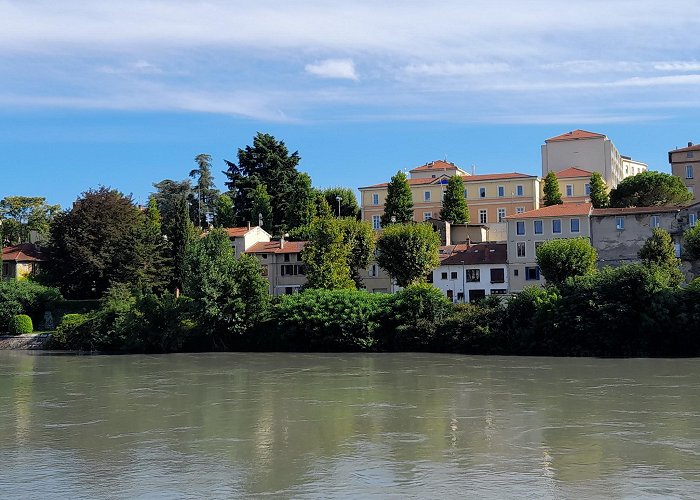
(280, 284)
(594, 155)
(679, 162)
(458, 285)
(578, 186)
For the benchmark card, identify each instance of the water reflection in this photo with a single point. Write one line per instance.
(336, 425)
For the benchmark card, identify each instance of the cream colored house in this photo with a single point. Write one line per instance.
(574, 185)
(281, 264)
(490, 197)
(21, 261)
(685, 163)
(528, 230)
(242, 238)
(588, 151)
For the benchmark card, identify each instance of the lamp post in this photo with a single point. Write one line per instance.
(338, 199)
(464, 278)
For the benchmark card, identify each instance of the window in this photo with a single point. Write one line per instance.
(482, 192)
(587, 189)
(569, 190)
(501, 214)
(519, 210)
(443, 276)
(499, 291)
(515, 272)
(299, 259)
(375, 199)
(575, 225)
(689, 154)
(453, 275)
(538, 227)
(688, 171)
(498, 275)
(373, 271)
(264, 270)
(429, 277)
(5, 269)
(427, 215)
(287, 257)
(482, 216)
(655, 221)
(692, 219)
(426, 195)
(501, 191)
(292, 270)
(520, 249)
(532, 273)
(519, 190)
(472, 275)
(263, 255)
(620, 223)
(520, 228)
(376, 222)
(556, 225)
(466, 195)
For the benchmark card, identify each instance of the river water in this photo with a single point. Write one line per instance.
(347, 425)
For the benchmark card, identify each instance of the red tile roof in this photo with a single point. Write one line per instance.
(572, 172)
(466, 179)
(234, 232)
(602, 212)
(564, 210)
(574, 135)
(446, 250)
(274, 247)
(24, 252)
(691, 147)
(481, 253)
(435, 165)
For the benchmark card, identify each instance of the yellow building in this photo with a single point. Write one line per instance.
(574, 185)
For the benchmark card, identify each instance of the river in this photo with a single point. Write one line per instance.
(347, 425)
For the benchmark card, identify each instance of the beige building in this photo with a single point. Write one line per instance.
(685, 163)
(242, 238)
(21, 261)
(528, 230)
(281, 264)
(588, 151)
(574, 184)
(490, 197)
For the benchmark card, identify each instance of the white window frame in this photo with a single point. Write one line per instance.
(688, 171)
(534, 227)
(553, 221)
(375, 199)
(587, 189)
(520, 250)
(620, 223)
(501, 214)
(482, 192)
(569, 190)
(692, 219)
(578, 225)
(520, 228)
(373, 271)
(519, 210)
(376, 222)
(519, 190)
(427, 215)
(501, 191)
(483, 216)
(426, 195)
(654, 221)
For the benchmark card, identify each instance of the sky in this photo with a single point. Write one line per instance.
(125, 94)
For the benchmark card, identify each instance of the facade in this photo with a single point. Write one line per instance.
(282, 265)
(618, 234)
(242, 238)
(526, 231)
(490, 197)
(470, 273)
(588, 151)
(21, 261)
(574, 184)
(685, 163)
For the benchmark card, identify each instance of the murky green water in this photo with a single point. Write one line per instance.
(351, 425)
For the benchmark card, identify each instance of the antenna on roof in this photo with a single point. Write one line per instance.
(473, 169)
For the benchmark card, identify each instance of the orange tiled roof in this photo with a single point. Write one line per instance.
(563, 210)
(573, 172)
(691, 147)
(466, 179)
(274, 247)
(574, 135)
(480, 253)
(435, 165)
(601, 212)
(234, 232)
(24, 252)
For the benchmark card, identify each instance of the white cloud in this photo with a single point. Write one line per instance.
(333, 68)
(677, 66)
(139, 67)
(456, 69)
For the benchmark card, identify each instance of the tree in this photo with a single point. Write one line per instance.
(151, 267)
(552, 194)
(326, 256)
(206, 194)
(454, 206)
(23, 214)
(100, 242)
(659, 252)
(599, 193)
(359, 237)
(408, 252)
(168, 198)
(691, 238)
(261, 210)
(348, 202)
(564, 258)
(399, 201)
(267, 162)
(180, 233)
(649, 189)
(225, 214)
(302, 202)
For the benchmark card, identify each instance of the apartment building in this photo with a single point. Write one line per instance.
(574, 185)
(528, 230)
(242, 238)
(490, 197)
(588, 151)
(685, 163)
(281, 264)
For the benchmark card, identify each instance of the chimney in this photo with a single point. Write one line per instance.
(282, 242)
(690, 144)
(248, 225)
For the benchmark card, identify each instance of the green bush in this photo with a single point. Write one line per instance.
(24, 297)
(20, 324)
(66, 331)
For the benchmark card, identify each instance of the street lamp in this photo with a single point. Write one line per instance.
(338, 199)
(464, 278)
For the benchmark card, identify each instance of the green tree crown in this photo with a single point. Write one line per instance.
(399, 201)
(408, 252)
(599, 193)
(454, 206)
(649, 189)
(563, 258)
(326, 256)
(552, 194)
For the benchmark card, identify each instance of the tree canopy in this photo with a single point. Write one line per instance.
(599, 192)
(348, 201)
(23, 214)
(205, 192)
(691, 240)
(649, 189)
(564, 258)
(454, 206)
(326, 256)
(552, 193)
(408, 252)
(399, 201)
(659, 251)
(359, 237)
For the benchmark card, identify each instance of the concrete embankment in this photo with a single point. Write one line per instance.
(24, 342)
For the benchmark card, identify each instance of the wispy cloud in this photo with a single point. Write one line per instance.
(333, 68)
(139, 67)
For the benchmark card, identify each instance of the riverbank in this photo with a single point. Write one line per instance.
(32, 341)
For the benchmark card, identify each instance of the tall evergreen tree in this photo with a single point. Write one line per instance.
(599, 193)
(454, 206)
(261, 209)
(552, 193)
(302, 202)
(659, 252)
(180, 232)
(205, 191)
(399, 201)
(326, 256)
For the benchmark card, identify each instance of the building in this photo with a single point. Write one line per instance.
(528, 230)
(21, 261)
(281, 264)
(490, 197)
(588, 151)
(472, 272)
(243, 238)
(685, 163)
(618, 234)
(574, 184)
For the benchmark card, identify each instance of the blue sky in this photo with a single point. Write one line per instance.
(126, 93)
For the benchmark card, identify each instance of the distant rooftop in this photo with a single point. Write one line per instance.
(563, 210)
(575, 135)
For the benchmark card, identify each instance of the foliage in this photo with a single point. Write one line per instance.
(552, 193)
(562, 258)
(261, 209)
(20, 325)
(205, 192)
(22, 214)
(180, 233)
(360, 238)
(326, 256)
(454, 206)
(25, 297)
(599, 192)
(659, 250)
(399, 201)
(649, 189)
(225, 215)
(691, 242)
(348, 202)
(408, 252)
(168, 197)
(66, 330)
(475, 328)
(302, 202)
